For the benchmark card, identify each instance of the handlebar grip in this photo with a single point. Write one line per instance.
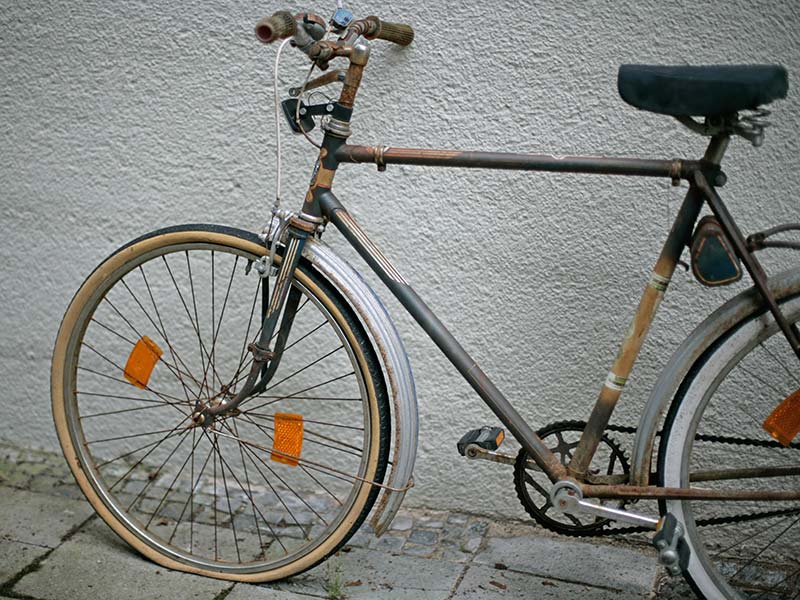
(278, 26)
(397, 33)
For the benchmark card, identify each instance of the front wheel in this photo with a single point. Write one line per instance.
(713, 438)
(262, 493)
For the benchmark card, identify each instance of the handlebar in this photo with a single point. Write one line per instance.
(282, 25)
(397, 33)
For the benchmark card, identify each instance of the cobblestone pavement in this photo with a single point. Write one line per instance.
(52, 546)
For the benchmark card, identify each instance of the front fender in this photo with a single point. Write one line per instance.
(395, 366)
(786, 283)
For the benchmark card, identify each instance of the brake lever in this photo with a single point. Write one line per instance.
(324, 79)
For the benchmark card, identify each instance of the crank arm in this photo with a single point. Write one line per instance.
(669, 542)
(475, 452)
(567, 497)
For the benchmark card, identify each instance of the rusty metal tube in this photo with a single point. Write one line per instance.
(655, 492)
(516, 161)
(725, 474)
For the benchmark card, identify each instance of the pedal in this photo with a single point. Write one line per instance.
(487, 438)
(673, 551)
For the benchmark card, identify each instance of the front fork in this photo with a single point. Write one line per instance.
(284, 298)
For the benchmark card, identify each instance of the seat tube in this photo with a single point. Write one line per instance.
(607, 399)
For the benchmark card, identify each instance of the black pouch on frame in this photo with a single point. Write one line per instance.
(713, 260)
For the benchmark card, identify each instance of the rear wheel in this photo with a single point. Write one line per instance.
(739, 549)
(261, 494)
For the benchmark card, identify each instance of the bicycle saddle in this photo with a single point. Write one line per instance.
(701, 91)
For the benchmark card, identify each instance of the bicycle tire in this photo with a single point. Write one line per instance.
(725, 397)
(275, 530)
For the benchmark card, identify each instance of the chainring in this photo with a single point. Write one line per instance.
(533, 486)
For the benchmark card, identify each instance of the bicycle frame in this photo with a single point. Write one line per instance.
(322, 206)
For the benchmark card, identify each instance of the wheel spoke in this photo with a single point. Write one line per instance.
(170, 347)
(172, 483)
(291, 489)
(249, 492)
(308, 366)
(216, 447)
(190, 500)
(203, 352)
(296, 394)
(126, 410)
(344, 447)
(174, 369)
(151, 477)
(791, 374)
(132, 452)
(176, 372)
(765, 548)
(165, 397)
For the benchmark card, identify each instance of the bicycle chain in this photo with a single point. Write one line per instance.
(605, 531)
(714, 438)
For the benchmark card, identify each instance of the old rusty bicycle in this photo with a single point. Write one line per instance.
(233, 404)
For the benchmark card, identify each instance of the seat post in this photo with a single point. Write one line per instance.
(716, 148)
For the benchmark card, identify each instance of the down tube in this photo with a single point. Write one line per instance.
(468, 368)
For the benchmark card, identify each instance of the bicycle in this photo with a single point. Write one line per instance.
(237, 427)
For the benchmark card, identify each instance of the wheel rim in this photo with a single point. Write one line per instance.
(755, 558)
(185, 456)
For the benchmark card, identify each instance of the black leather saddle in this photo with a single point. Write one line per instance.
(701, 91)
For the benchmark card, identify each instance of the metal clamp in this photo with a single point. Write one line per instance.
(260, 354)
(380, 158)
(675, 170)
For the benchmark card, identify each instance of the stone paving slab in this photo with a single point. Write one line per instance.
(15, 556)
(427, 555)
(244, 591)
(96, 564)
(590, 563)
(368, 574)
(486, 583)
(40, 519)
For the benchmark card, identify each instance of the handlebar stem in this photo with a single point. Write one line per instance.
(359, 55)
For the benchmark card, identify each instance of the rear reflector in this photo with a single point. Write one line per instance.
(784, 422)
(288, 442)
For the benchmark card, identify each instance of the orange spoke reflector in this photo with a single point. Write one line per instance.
(784, 422)
(143, 358)
(288, 442)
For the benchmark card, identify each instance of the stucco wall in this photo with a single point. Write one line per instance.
(118, 118)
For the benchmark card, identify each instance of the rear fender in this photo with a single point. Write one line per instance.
(786, 283)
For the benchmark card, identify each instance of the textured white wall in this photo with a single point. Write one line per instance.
(121, 117)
